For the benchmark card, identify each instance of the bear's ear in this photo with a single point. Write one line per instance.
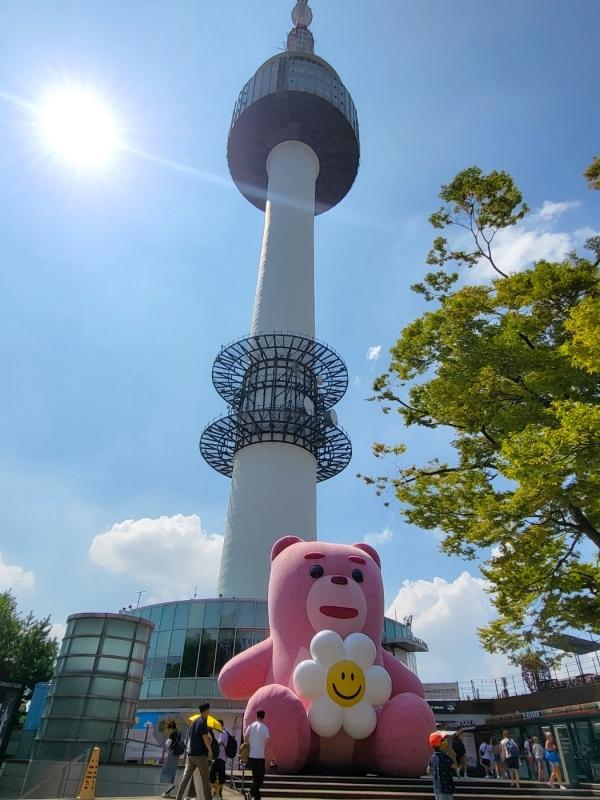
(368, 549)
(281, 544)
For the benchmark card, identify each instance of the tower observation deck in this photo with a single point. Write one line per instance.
(293, 152)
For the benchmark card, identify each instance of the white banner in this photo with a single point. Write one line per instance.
(441, 691)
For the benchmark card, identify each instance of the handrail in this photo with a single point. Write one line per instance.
(48, 777)
(570, 672)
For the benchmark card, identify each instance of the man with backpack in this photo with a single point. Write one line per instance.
(460, 751)
(198, 749)
(227, 749)
(510, 755)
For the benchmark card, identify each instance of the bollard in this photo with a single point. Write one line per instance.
(87, 790)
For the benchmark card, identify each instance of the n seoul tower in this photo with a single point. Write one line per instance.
(293, 152)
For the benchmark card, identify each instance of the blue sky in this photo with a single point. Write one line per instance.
(118, 287)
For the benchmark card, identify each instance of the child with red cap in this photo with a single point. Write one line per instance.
(440, 768)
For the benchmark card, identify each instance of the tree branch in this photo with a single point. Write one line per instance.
(585, 525)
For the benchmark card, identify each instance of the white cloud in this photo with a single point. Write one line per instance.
(170, 555)
(12, 577)
(57, 631)
(535, 238)
(550, 210)
(446, 615)
(374, 352)
(376, 539)
(515, 248)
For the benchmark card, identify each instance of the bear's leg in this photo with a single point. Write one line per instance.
(399, 746)
(286, 719)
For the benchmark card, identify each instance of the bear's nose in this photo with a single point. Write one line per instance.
(339, 579)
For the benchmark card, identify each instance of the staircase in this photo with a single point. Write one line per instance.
(331, 787)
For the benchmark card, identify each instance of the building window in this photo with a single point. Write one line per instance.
(182, 611)
(224, 648)
(168, 617)
(245, 614)
(228, 614)
(190, 653)
(196, 619)
(206, 658)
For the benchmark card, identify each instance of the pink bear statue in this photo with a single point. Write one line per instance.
(333, 698)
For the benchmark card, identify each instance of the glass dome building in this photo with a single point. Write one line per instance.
(192, 641)
(95, 688)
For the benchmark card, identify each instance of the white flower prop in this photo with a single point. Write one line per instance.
(343, 684)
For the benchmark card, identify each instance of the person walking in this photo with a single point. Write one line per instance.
(198, 750)
(485, 759)
(440, 768)
(554, 761)
(495, 751)
(539, 758)
(510, 754)
(217, 768)
(528, 747)
(258, 739)
(460, 752)
(175, 748)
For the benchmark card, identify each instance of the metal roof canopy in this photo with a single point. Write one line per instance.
(572, 644)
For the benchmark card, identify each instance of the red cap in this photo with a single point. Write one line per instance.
(435, 739)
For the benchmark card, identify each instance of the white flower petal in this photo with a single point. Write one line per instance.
(360, 649)
(360, 720)
(310, 680)
(325, 716)
(327, 648)
(379, 685)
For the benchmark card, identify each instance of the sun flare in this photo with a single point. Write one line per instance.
(79, 128)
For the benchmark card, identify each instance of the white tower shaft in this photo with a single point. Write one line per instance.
(285, 292)
(273, 489)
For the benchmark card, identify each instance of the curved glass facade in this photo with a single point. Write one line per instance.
(95, 687)
(300, 72)
(193, 640)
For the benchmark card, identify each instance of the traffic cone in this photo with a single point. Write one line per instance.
(87, 790)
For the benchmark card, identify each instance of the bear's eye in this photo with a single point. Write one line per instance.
(317, 571)
(357, 575)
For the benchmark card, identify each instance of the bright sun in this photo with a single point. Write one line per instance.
(79, 128)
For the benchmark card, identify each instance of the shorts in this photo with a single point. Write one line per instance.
(485, 762)
(513, 762)
(497, 758)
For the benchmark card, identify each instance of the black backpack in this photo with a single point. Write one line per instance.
(214, 746)
(231, 747)
(178, 746)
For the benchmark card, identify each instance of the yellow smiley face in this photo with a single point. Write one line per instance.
(346, 683)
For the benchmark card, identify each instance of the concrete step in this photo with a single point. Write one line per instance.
(335, 787)
(325, 794)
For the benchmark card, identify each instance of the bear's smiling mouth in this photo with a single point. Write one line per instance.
(339, 612)
(346, 696)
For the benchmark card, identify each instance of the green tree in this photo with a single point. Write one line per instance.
(510, 368)
(592, 174)
(27, 651)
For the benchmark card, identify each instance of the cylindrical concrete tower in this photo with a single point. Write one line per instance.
(293, 152)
